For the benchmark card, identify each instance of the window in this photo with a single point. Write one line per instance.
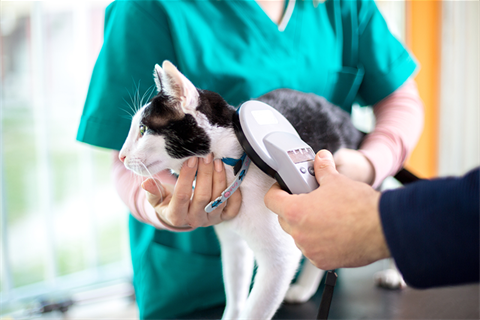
(63, 225)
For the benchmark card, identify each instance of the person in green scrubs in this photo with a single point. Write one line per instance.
(341, 50)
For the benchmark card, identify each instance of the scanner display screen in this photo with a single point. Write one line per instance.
(301, 155)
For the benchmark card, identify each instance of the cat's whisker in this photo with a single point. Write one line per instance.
(153, 91)
(188, 150)
(137, 97)
(147, 94)
(140, 179)
(159, 187)
(137, 102)
(131, 101)
(135, 179)
(132, 109)
(127, 112)
(133, 98)
(191, 153)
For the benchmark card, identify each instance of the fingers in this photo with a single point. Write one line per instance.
(180, 203)
(218, 186)
(285, 226)
(275, 199)
(203, 192)
(219, 179)
(227, 210)
(233, 206)
(184, 210)
(324, 165)
(210, 183)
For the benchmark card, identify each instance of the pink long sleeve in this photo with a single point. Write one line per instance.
(130, 191)
(399, 123)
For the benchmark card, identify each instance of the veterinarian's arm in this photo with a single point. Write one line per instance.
(431, 228)
(337, 225)
(167, 203)
(399, 123)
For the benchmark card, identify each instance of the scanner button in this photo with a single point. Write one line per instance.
(311, 171)
(303, 170)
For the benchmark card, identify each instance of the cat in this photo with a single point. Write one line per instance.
(182, 121)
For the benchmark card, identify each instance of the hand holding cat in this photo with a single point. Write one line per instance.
(336, 225)
(175, 205)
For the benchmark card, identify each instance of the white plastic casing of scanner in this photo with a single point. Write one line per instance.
(275, 147)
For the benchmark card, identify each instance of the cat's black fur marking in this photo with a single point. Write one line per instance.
(161, 107)
(215, 108)
(184, 138)
(319, 123)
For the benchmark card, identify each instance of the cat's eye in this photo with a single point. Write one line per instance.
(142, 129)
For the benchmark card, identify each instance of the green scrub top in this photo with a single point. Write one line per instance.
(341, 50)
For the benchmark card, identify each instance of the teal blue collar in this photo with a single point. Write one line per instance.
(241, 167)
(235, 163)
(230, 161)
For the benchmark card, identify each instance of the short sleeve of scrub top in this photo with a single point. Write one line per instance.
(233, 48)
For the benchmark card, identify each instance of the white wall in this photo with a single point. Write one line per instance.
(459, 105)
(459, 140)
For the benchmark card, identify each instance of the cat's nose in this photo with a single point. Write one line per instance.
(122, 157)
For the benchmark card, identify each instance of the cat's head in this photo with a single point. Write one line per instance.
(170, 128)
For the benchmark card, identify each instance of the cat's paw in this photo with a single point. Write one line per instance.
(299, 294)
(389, 279)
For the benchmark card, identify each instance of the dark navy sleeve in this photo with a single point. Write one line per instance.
(432, 230)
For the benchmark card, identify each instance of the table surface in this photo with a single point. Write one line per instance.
(357, 297)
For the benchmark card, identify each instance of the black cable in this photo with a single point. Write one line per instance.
(327, 295)
(404, 176)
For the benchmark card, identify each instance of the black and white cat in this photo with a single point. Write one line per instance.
(183, 121)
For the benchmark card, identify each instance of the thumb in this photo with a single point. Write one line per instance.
(324, 165)
(154, 191)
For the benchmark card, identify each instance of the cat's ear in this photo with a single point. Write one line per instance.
(173, 83)
(184, 90)
(157, 75)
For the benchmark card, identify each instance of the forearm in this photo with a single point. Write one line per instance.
(399, 123)
(431, 228)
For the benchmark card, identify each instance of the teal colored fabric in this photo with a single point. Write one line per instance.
(175, 273)
(341, 50)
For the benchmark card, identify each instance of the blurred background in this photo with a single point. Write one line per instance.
(64, 230)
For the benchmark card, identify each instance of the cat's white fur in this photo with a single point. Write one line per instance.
(254, 235)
